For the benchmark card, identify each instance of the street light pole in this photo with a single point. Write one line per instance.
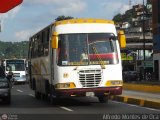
(144, 47)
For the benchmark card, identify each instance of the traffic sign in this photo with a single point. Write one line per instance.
(6, 5)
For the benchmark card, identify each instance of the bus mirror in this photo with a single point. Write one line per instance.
(122, 39)
(54, 40)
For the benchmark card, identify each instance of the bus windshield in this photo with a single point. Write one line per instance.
(87, 49)
(15, 65)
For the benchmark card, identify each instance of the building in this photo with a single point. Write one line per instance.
(156, 38)
(137, 56)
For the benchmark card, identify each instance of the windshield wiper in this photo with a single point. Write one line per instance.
(99, 57)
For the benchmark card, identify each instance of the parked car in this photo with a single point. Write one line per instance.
(130, 76)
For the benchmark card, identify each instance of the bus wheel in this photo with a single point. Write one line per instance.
(44, 96)
(103, 99)
(53, 100)
(37, 95)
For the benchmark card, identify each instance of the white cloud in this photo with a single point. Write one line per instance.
(123, 8)
(138, 2)
(113, 7)
(61, 6)
(9, 15)
(22, 35)
(72, 7)
(25, 34)
(56, 2)
(110, 9)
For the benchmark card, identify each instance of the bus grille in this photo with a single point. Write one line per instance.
(90, 78)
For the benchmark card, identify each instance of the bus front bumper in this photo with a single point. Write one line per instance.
(84, 91)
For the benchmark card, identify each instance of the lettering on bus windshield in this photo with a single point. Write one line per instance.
(15, 62)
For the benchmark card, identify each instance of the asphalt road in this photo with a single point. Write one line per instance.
(24, 106)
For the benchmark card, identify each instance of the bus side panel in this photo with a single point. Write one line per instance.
(40, 74)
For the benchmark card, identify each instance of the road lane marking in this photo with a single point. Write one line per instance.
(132, 105)
(31, 95)
(65, 108)
(152, 109)
(19, 90)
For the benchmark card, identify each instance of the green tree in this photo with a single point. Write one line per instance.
(127, 17)
(129, 14)
(62, 17)
(118, 18)
(13, 49)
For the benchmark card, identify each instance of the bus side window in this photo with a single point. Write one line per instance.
(46, 42)
(30, 53)
(46, 49)
(35, 47)
(40, 44)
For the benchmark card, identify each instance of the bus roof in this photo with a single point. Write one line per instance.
(83, 20)
(77, 20)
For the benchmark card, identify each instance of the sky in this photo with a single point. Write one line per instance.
(32, 15)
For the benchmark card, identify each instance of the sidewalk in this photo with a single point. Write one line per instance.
(142, 95)
(138, 94)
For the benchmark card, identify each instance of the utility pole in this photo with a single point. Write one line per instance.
(144, 42)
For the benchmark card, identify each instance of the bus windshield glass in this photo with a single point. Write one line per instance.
(87, 49)
(15, 65)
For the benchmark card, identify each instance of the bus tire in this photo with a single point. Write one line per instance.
(47, 87)
(52, 100)
(33, 84)
(103, 99)
(44, 97)
(37, 95)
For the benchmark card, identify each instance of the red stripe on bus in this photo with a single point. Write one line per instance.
(103, 56)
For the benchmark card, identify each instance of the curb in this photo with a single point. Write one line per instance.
(142, 87)
(136, 101)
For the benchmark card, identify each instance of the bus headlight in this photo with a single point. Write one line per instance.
(114, 83)
(65, 85)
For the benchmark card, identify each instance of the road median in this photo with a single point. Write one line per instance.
(137, 101)
(142, 87)
(145, 95)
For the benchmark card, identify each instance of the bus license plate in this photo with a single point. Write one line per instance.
(90, 94)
